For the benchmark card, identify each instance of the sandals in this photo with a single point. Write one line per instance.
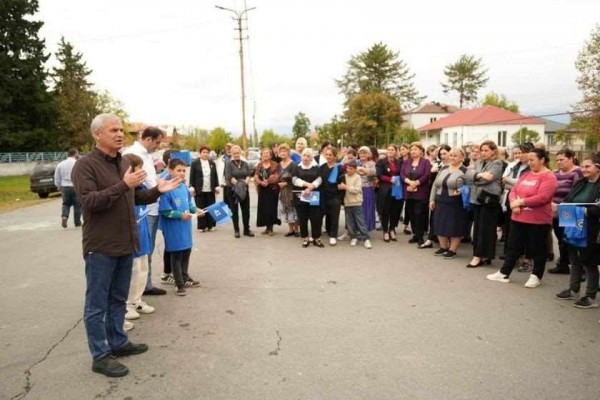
(318, 243)
(305, 243)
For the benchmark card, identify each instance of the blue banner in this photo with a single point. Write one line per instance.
(567, 215)
(220, 212)
(397, 192)
(314, 199)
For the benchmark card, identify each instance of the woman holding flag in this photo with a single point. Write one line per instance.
(582, 240)
(530, 202)
(331, 197)
(389, 194)
(306, 180)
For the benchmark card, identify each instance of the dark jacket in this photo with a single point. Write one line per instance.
(108, 204)
(197, 177)
(423, 174)
(593, 212)
(384, 175)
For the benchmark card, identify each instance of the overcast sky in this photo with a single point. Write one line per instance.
(176, 62)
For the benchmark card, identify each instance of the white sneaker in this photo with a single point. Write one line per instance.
(498, 277)
(533, 282)
(144, 308)
(353, 242)
(131, 313)
(332, 241)
(368, 244)
(127, 326)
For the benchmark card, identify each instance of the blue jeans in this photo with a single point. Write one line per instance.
(108, 280)
(355, 221)
(153, 227)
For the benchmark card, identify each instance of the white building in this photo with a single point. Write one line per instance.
(467, 127)
(426, 114)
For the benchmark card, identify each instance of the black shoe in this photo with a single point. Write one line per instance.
(110, 367)
(481, 262)
(559, 270)
(407, 231)
(440, 251)
(425, 245)
(448, 255)
(130, 349)
(318, 243)
(290, 234)
(413, 240)
(305, 243)
(466, 240)
(237, 234)
(155, 292)
(248, 233)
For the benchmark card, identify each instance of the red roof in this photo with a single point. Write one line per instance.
(487, 115)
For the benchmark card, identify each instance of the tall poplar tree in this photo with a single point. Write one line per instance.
(26, 107)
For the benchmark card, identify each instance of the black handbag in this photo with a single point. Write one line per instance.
(488, 199)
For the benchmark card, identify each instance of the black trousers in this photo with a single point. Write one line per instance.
(389, 211)
(203, 200)
(417, 213)
(526, 239)
(581, 262)
(180, 261)
(306, 213)
(235, 205)
(330, 208)
(485, 221)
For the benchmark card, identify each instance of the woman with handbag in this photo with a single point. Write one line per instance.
(531, 221)
(451, 222)
(237, 176)
(485, 197)
(266, 177)
(286, 210)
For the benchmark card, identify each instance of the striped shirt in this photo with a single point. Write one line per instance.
(566, 180)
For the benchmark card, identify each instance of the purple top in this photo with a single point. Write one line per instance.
(566, 180)
(421, 173)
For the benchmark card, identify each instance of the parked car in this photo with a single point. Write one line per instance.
(41, 180)
(253, 158)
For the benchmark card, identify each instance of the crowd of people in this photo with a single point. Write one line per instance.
(437, 195)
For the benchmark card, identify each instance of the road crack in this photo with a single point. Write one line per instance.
(278, 349)
(28, 385)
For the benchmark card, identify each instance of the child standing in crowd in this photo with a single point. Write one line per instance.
(353, 199)
(176, 209)
(139, 272)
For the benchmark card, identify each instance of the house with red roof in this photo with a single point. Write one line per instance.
(478, 124)
(427, 113)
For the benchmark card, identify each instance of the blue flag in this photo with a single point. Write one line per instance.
(567, 215)
(576, 235)
(397, 188)
(220, 212)
(465, 193)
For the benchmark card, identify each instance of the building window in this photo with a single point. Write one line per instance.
(501, 138)
(432, 119)
(550, 140)
(454, 139)
(446, 137)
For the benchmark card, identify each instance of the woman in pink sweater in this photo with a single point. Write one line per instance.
(530, 202)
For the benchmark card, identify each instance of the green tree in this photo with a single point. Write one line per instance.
(587, 112)
(333, 131)
(218, 138)
(500, 100)
(525, 135)
(407, 135)
(75, 100)
(301, 126)
(27, 110)
(379, 70)
(373, 118)
(466, 76)
(269, 137)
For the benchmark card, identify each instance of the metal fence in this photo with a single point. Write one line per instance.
(32, 157)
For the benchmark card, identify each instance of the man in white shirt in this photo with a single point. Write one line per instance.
(62, 180)
(147, 143)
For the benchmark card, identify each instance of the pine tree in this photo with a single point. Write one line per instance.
(76, 102)
(466, 77)
(26, 108)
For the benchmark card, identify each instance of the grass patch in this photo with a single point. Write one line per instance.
(14, 193)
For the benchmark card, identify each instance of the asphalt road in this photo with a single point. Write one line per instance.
(273, 320)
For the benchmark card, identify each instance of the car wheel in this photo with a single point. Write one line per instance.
(43, 195)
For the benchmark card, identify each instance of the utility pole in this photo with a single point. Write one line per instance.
(239, 16)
